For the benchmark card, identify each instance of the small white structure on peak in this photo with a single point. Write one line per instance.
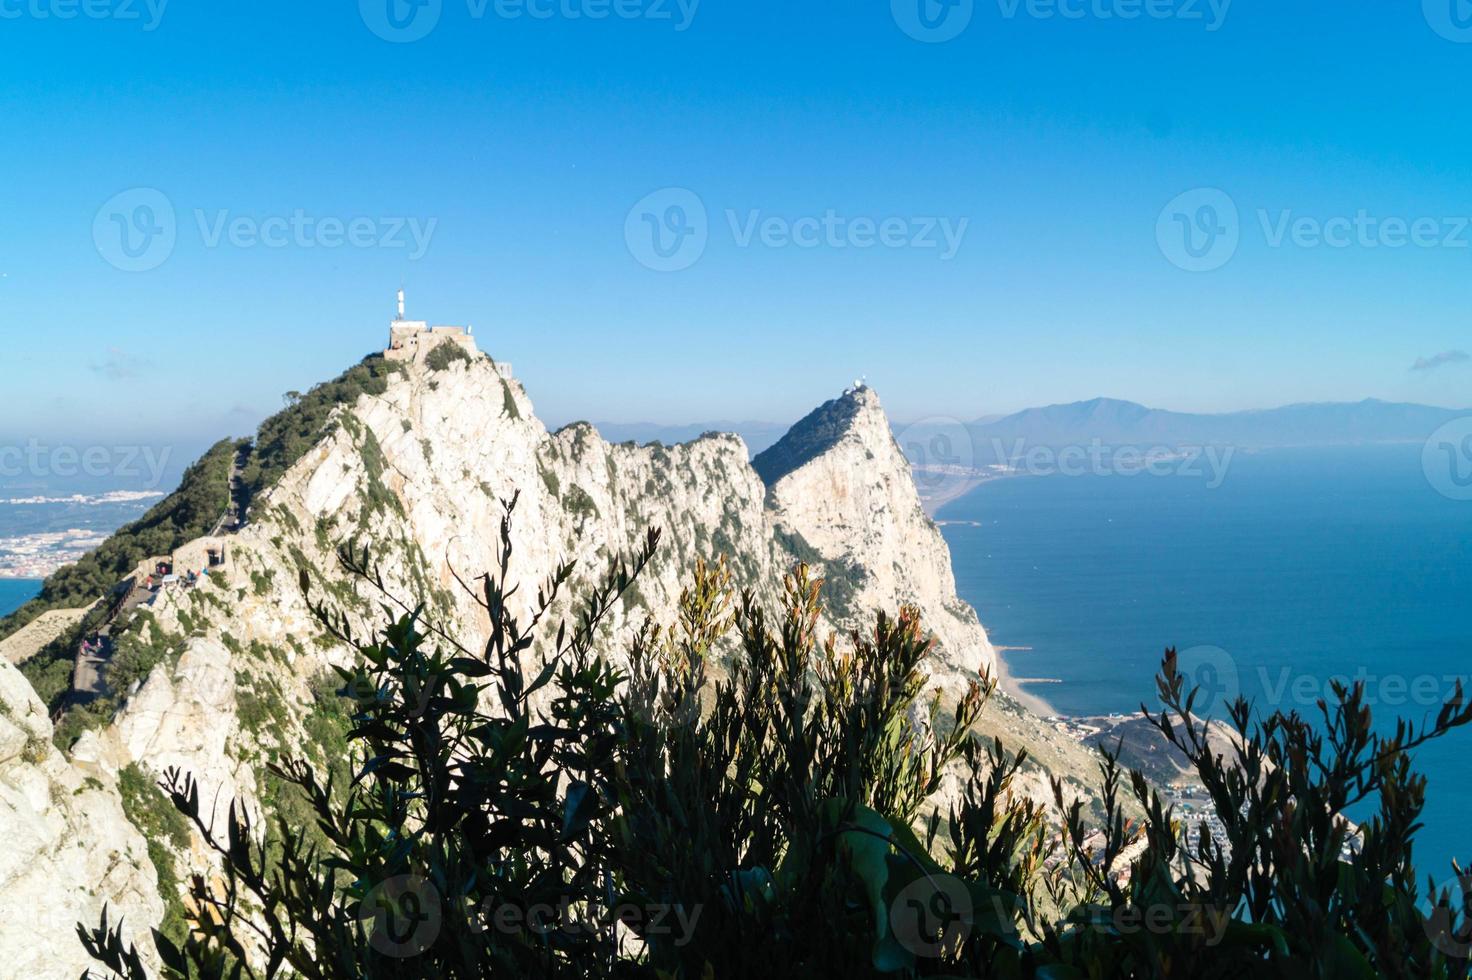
(412, 340)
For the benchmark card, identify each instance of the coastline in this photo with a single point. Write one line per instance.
(1012, 685)
(954, 485)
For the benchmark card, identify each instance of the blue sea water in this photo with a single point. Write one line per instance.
(1301, 566)
(15, 593)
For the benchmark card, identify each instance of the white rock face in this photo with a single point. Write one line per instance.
(841, 482)
(419, 473)
(66, 849)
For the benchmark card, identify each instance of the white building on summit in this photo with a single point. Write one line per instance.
(412, 340)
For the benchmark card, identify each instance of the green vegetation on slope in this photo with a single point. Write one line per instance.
(203, 495)
(50, 671)
(140, 646)
(149, 810)
(444, 355)
(287, 436)
(812, 436)
(325, 743)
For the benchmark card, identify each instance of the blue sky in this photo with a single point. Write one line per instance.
(521, 146)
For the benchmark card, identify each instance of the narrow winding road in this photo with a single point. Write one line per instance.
(234, 509)
(89, 673)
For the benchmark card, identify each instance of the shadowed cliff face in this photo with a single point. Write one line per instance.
(814, 435)
(418, 471)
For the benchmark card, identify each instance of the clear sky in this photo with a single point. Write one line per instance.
(805, 159)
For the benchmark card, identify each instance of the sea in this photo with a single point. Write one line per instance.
(16, 592)
(41, 531)
(1288, 569)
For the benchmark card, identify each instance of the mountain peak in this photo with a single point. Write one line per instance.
(413, 454)
(1100, 408)
(1121, 423)
(816, 433)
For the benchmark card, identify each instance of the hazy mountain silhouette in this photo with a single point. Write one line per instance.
(1111, 421)
(1114, 422)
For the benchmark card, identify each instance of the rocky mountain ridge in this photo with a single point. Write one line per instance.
(418, 472)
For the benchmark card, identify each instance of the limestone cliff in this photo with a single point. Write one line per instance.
(840, 483)
(419, 471)
(66, 847)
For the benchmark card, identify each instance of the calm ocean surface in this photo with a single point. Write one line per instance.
(1301, 566)
(14, 593)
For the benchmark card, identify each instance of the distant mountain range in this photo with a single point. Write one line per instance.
(1113, 422)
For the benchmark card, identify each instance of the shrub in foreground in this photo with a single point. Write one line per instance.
(524, 815)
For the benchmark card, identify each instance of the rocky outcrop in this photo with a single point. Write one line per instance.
(66, 848)
(419, 472)
(840, 485)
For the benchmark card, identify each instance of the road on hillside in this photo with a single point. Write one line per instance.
(234, 510)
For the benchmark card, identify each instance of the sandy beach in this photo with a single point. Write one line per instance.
(1018, 685)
